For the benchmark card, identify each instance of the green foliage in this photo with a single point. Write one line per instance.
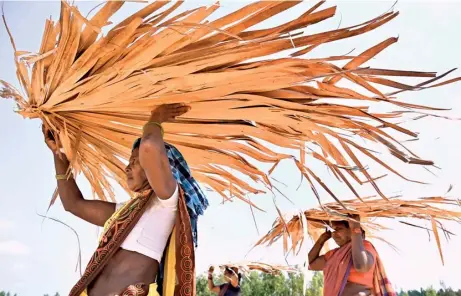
(257, 284)
(202, 286)
(430, 291)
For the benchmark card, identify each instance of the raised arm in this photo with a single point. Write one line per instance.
(235, 281)
(93, 211)
(152, 153)
(362, 259)
(317, 262)
(211, 285)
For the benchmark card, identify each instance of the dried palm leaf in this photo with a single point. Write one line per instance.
(431, 209)
(247, 267)
(95, 92)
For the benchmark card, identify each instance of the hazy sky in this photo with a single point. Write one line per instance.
(40, 258)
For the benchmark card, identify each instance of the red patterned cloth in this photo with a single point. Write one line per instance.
(119, 229)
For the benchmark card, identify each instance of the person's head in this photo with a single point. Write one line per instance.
(342, 233)
(135, 175)
(230, 273)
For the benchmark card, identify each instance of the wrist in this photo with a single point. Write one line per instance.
(324, 239)
(61, 157)
(153, 125)
(156, 119)
(65, 177)
(356, 230)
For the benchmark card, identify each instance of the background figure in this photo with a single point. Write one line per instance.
(352, 269)
(232, 285)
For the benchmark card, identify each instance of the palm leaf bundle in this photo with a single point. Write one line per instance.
(313, 222)
(248, 267)
(95, 91)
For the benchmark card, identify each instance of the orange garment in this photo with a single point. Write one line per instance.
(361, 278)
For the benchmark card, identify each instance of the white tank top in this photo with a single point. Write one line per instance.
(151, 233)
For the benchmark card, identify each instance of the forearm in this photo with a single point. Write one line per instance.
(68, 190)
(359, 254)
(152, 133)
(315, 251)
(211, 285)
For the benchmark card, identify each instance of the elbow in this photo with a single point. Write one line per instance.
(361, 267)
(314, 268)
(152, 144)
(69, 207)
(363, 263)
(150, 147)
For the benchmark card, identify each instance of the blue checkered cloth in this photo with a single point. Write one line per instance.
(196, 201)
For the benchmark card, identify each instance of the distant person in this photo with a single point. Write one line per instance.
(353, 269)
(130, 259)
(232, 285)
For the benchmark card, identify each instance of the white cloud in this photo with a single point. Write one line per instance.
(19, 267)
(12, 247)
(6, 224)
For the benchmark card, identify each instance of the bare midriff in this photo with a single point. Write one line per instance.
(125, 268)
(353, 289)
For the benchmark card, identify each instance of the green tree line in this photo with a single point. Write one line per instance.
(257, 284)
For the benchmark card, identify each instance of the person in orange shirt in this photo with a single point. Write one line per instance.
(353, 269)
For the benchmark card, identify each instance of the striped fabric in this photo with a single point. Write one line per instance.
(381, 284)
(196, 201)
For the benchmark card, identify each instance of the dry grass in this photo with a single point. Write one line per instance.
(247, 267)
(96, 91)
(313, 222)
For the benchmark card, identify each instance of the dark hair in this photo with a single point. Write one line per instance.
(136, 144)
(343, 222)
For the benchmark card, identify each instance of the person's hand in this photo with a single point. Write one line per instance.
(211, 270)
(49, 139)
(355, 222)
(325, 236)
(168, 112)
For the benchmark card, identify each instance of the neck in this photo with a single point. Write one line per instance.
(145, 187)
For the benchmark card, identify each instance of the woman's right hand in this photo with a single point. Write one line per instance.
(211, 270)
(325, 236)
(49, 139)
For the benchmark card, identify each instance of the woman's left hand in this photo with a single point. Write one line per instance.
(168, 112)
(355, 223)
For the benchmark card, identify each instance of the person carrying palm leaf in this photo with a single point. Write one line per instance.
(232, 285)
(354, 268)
(136, 233)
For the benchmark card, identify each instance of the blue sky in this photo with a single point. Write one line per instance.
(40, 258)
